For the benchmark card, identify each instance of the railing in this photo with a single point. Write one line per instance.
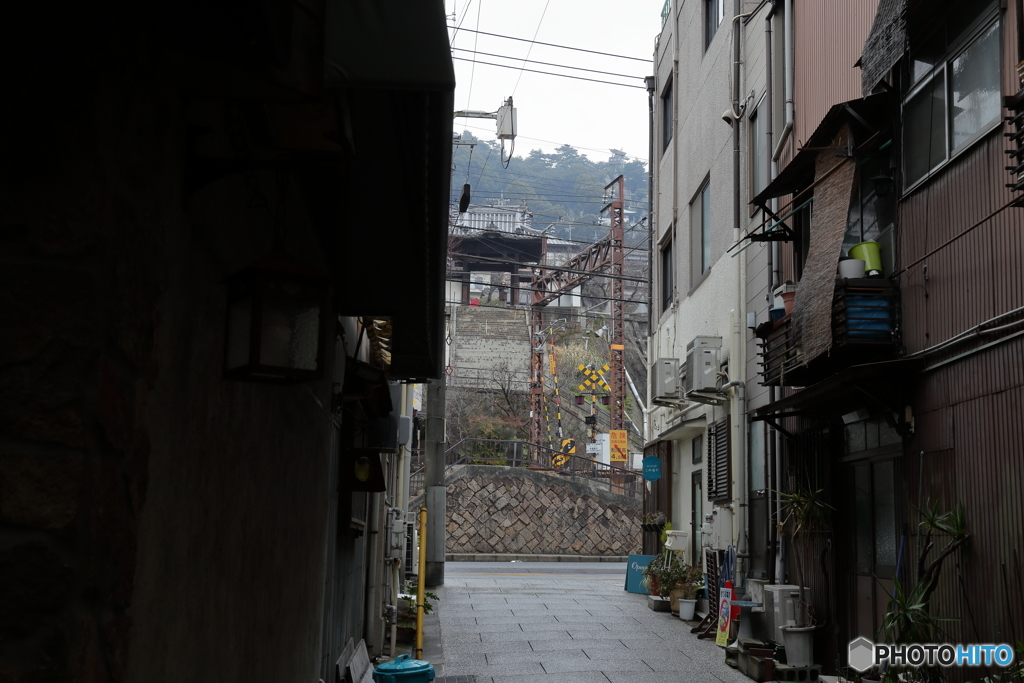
(865, 319)
(512, 453)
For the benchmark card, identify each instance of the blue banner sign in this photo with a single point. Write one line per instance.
(652, 468)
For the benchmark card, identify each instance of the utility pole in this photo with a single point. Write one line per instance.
(434, 489)
(614, 192)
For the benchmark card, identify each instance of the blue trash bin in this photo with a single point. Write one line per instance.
(404, 669)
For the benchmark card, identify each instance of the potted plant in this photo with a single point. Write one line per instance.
(652, 576)
(803, 511)
(685, 580)
(653, 521)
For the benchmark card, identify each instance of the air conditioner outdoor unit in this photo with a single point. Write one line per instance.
(702, 364)
(666, 379)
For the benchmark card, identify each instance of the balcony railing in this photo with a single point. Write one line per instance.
(865, 322)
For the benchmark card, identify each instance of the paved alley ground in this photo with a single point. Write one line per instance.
(563, 622)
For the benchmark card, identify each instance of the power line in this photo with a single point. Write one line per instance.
(550, 73)
(564, 239)
(629, 319)
(564, 47)
(592, 273)
(532, 43)
(534, 61)
(555, 142)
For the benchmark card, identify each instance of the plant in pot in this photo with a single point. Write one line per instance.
(804, 511)
(685, 581)
(652, 521)
(652, 576)
(909, 618)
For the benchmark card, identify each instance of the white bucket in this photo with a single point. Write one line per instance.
(851, 268)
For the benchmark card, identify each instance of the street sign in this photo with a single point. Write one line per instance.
(652, 468)
(619, 445)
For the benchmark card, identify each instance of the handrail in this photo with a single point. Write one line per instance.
(620, 480)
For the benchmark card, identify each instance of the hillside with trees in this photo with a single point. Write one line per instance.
(564, 187)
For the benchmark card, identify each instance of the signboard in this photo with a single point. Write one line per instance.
(724, 616)
(635, 573)
(619, 445)
(652, 468)
(593, 448)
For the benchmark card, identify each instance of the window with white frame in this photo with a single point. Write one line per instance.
(714, 12)
(700, 234)
(667, 116)
(667, 272)
(758, 149)
(953, 91)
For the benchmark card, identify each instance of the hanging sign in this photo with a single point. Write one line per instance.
(652, 468)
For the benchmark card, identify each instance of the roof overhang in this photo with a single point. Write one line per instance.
(383, 215)
(869, 114)
(885, 385)
(685, 429)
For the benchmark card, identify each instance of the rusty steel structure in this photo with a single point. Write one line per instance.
(549, 284)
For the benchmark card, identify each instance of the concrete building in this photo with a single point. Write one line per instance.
(875, 390)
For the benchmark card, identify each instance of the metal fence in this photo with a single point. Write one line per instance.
(507, 453)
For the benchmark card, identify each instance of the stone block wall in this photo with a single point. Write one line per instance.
(488, 339)
(497, 510)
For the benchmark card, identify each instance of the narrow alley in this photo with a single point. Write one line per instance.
(562, 622)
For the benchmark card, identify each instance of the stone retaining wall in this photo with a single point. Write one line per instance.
(514, 510)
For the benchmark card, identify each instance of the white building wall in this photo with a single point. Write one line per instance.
(701, 149)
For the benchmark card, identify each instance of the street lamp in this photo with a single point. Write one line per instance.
(277, 316)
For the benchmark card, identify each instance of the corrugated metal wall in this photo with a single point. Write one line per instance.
(828, 36)
(974, 277)
(968, 445)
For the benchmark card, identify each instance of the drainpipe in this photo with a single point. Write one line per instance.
(737, 353)
(771, 172)
(652, 234)
(639, 400)
(649, 81)
(787, 63)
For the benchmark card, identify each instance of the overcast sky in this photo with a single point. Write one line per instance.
(592, 117)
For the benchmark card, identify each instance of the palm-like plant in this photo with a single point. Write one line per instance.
(805, 510)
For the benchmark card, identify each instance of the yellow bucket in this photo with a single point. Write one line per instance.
(871, 254)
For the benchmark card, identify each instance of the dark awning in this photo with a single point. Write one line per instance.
(399, 44)
(867, 115)
(885, 44)
(883, 385)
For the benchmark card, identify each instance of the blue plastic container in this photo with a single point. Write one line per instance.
(777, 313)
(868, 317)
(404, 669)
